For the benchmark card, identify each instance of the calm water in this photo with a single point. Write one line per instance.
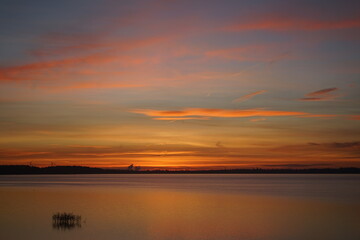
(166, 207)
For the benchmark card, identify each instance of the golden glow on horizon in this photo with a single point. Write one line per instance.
(143, 85)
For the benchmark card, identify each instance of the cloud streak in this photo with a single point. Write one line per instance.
(297, 165)
(78, 56)
(353, 147)
(320, 95)
(92, 85)
(180, 118)
(254, 52)
(223, 113)
(174, 155)
(248, 96)
(355, 117)
(279, 23)
(47, 69)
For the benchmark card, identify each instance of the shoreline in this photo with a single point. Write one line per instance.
(57, 170)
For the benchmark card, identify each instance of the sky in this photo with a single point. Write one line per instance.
(180, 84)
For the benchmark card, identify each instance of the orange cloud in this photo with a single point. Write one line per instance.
(321, 95)
(248, 96)
(352, 147)
(355, 117)
(191, 156)
(22, 153)
(89, 146)
(277, 23)
(180, 118)
(226, 113)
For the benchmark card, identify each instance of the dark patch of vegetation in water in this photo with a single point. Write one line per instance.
(66, 221)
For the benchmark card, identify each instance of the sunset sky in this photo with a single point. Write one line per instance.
(180, 84)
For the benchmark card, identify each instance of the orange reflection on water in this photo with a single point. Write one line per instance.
(138, 213)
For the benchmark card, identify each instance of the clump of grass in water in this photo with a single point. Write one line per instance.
(66, 221)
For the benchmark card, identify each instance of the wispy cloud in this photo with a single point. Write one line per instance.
(295, 165)
(186, 155)
(319, 116)
(180, 118)
(91, 85)
(355, 117)
(321, 95)
(322, 92)
(252, 52)
(51, 68)
(76, 55)
(248, 96)
(84, 44)
(225, 113)
(280, 23)
(329, 146)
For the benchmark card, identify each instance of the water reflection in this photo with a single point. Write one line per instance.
(66, 221)
(191, 207)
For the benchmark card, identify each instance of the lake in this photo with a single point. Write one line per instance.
(182, 206)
